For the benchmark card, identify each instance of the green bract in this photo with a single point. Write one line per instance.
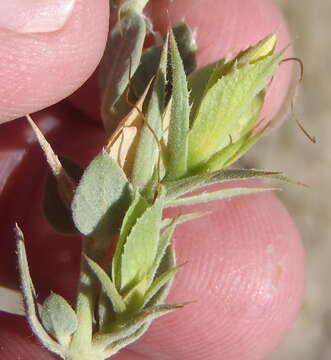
(170, 132)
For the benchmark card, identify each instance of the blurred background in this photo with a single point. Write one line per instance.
(289, 150)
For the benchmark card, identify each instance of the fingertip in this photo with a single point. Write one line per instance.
(39, 69)
(246, 271)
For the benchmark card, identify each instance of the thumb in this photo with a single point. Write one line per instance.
(48, 48)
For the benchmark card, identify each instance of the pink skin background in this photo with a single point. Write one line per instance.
(245, 270)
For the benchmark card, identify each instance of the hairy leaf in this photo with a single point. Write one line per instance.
(101, 198)
(223, 105)
(216, 195)
(107, 286)
(135, 211)
(159, 282)
(146, 153)
(180, 187)
(58, 318)
(141, 246)
(29, 296)
(179, 119)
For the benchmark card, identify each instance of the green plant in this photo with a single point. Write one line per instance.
(177, 130)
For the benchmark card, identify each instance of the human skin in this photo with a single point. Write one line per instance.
(245, 269)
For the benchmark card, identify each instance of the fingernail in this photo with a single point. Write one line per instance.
(34, 16)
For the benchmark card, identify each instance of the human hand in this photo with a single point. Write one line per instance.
(245, 267)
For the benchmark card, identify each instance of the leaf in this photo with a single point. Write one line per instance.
(216, 195)
(197, 82)
(241, 139)
(223, 105)
(135, 211)
(64, 182)
(58, 318)
(151, 57)
(187, 45)
(146, 153)
(101, 198)
(261, 50)
(159, 282)
(179, 118)
(133, 328)
(164, 242)
(107, 286)
(168, 262)
(121, 59)
(183, 218)
(56, 212)
(177, 188)
(29, 296)
(141, 246)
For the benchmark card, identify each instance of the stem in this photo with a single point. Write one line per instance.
(80, 346)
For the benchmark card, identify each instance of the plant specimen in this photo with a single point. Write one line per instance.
(172, 129)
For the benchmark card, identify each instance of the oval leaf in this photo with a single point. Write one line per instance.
(101, 198)
(58, 317)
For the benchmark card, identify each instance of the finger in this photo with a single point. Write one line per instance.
(47, 50)
(245, 277)
(223, 28)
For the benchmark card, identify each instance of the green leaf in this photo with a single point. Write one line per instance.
(121, 59)
(168, 262)
(164, 242)
(179, 118)
(223, 105)
(116, 346)
(180, 187)
(183, 218)
(159, 282)
(187, 45)
(197, 82)
(141, 245)
(146, 153)
(151, 57)
(133, 328)
(241, 139)
(58, 318)
(135, 211)
(29, 297)
(216, 195)
(101, 198)
(56, 211)
(107, 286)
(261, 50)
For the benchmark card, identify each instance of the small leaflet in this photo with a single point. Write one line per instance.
(179, 118)
(101, 198)
(223, 105)
(141, 245)
(58, 318)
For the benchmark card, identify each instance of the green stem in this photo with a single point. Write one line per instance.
(81, 343)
